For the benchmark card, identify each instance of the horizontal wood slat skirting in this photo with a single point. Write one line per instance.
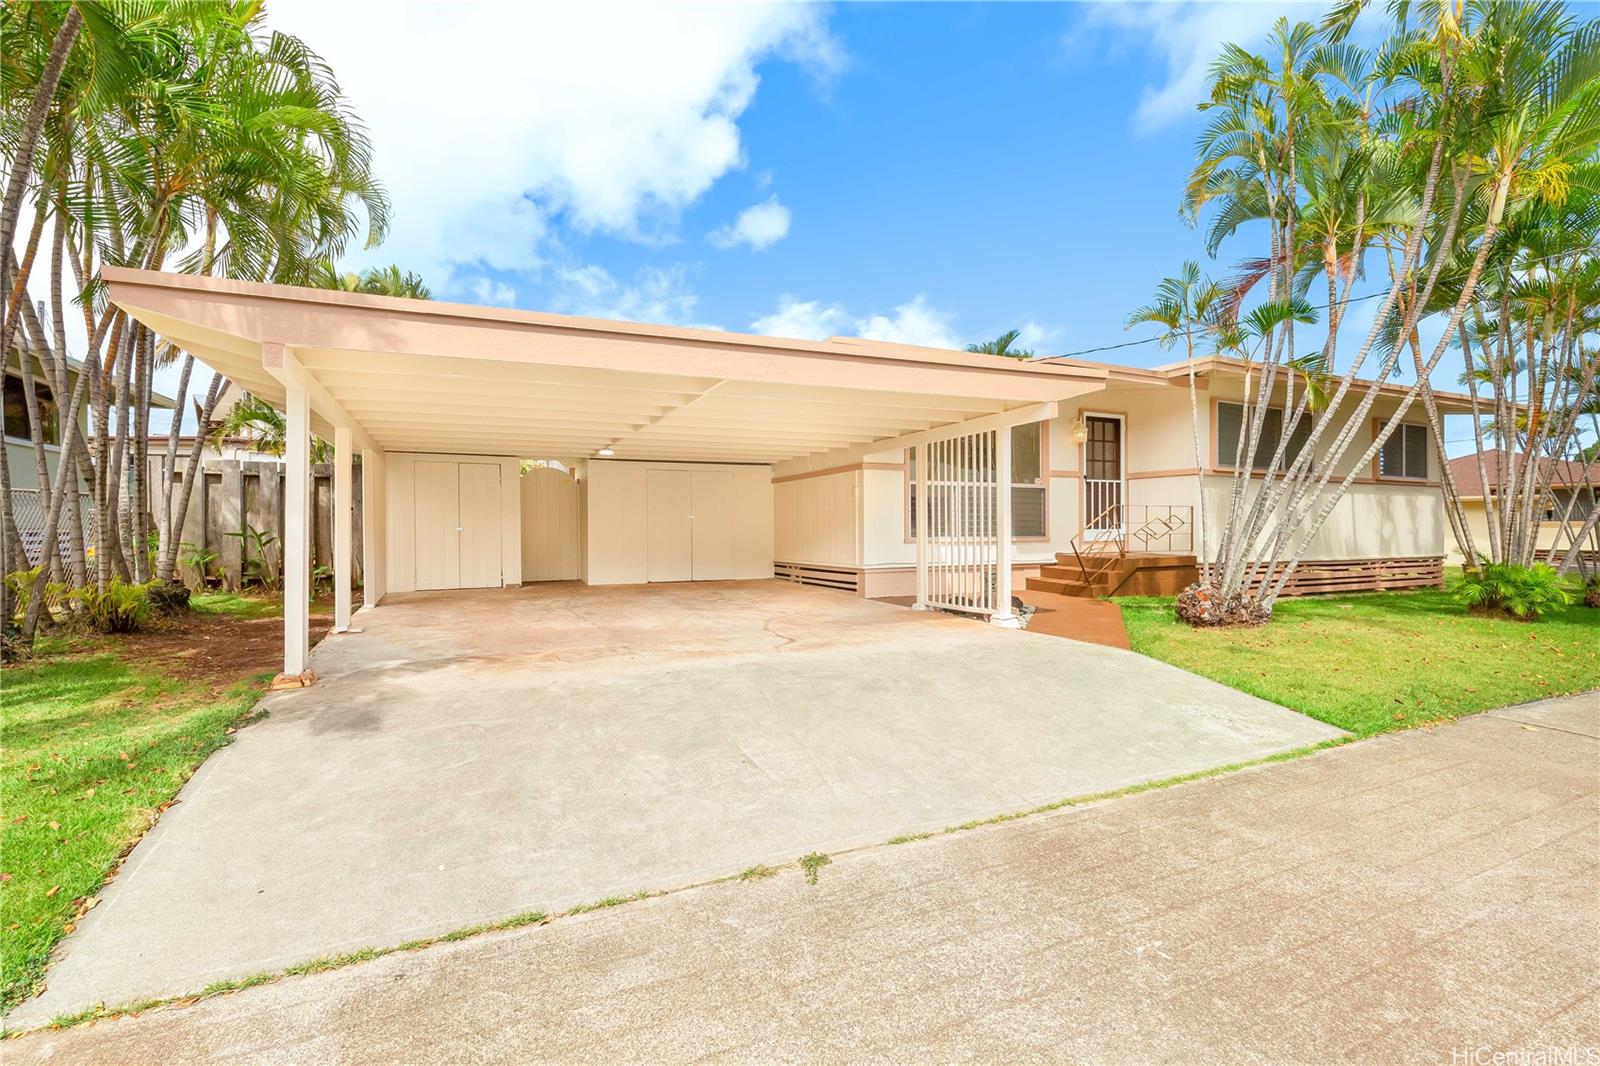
(1364, 575)
(843, 578)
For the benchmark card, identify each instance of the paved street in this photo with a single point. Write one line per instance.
(1395, 899)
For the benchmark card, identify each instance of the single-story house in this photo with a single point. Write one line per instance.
(1574, 487)
(678, 454)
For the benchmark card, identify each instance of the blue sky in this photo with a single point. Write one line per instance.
(930, 173)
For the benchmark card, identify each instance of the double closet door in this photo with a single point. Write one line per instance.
(458, 525)
(690, 525)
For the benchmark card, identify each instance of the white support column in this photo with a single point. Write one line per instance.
(343, 548)
(374, 534)
(1003, 614)
(922, 526)
(296, 531)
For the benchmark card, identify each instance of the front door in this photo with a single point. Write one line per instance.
(1103, 512)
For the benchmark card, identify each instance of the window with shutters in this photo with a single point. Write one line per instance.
(1029, 498)
(1231, 423)
(1405, 453)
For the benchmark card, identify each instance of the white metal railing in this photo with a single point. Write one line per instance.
(1103, 506)
(964, 524)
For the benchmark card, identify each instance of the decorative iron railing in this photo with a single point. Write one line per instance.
(1111, 532)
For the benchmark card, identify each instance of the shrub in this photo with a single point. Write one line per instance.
(119, 608)
(1526, 593)
(168, 597)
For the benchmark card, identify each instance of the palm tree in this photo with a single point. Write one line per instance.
(377, 281)
(1001, 345)
(1188, 306)
(170, 127)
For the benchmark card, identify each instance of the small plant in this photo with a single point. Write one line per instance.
(811, 864)
(199, 561)
(321, 579)
(1526, 593)
(758, 873)
(57, 595)
(258, 566)
(118, 608)
(168, 597)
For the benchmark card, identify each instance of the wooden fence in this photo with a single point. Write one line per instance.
(235, 496)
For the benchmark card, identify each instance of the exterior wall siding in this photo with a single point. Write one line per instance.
(1377, 518)
(817, 519)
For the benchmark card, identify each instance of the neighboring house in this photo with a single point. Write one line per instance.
(1571, 483)
(19, 438)
(697, 455)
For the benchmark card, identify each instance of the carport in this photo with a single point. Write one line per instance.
(443, 402)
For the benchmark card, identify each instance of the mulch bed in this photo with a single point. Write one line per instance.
(216, 648)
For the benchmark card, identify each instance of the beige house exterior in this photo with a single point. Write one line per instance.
(673, 454)
(1573, 483)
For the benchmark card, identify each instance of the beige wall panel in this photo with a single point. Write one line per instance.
(436, 517)
(817, 519)
(668, 525)
(753, 533)
(551, 544)
(401, 508)
(615, 519)
(480, 526)
(616, 522)
(715, 514)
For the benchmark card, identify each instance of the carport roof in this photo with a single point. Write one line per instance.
(415, 375)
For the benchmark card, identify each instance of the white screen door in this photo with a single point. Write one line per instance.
(669, 535)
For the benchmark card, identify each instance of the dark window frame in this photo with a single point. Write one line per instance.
(1408, 447)
(1266, 446)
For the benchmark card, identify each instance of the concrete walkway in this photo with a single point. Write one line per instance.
(1408, 898)
(470, 756)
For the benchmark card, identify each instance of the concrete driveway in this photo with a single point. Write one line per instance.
(469, 756)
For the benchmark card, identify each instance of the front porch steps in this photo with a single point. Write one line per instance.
(1132, 574)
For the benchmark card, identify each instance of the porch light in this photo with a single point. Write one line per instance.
(605, 453)
(1080, 430)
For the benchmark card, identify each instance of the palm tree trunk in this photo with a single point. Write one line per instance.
(33, 124)
(192, 473)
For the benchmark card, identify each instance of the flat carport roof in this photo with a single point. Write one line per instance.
(377, 374)
(416, 375)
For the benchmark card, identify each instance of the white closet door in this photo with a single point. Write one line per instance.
(669, 551)
(480, 526)
(438, 512)
(715, 510)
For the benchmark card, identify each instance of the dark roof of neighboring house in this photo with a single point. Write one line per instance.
(1464, 470)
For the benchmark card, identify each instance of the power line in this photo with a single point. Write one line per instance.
(1317, 307)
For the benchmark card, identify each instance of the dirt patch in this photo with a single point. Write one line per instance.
(217, 648)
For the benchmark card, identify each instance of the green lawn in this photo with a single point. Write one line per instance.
(98, 736)
(1383, 660)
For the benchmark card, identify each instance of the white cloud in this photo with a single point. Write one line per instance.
(1188, 35)
(656, 294)
(1036, 336)
(608, 118)
(759, 225)
(912, 323)
(489, 291)
(802, 319)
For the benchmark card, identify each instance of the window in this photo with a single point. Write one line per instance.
(1230, 423)
(1405, 453)
(1028, 507)
(17, 410)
